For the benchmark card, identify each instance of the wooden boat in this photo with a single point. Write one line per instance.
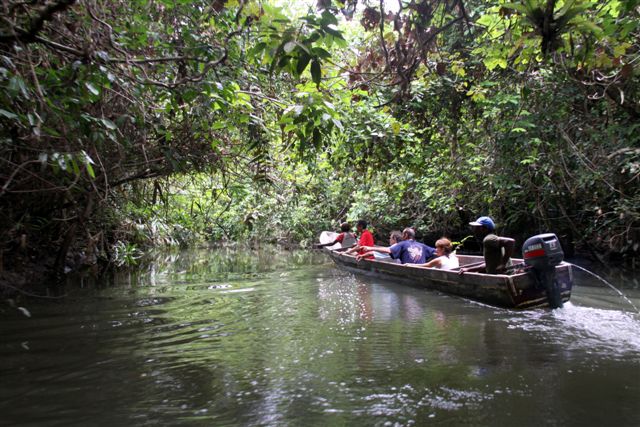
(517, 291)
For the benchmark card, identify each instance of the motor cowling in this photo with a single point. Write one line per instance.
(543, 253)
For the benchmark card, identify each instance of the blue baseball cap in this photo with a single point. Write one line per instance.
(484, 221)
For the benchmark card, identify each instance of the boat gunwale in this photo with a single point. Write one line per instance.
(503, 290)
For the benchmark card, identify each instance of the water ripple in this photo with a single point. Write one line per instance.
(228, 338)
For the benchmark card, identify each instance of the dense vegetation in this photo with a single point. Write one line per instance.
(129, 123)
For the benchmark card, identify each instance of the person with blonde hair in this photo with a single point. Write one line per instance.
(446, 259)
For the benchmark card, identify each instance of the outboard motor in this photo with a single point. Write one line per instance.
(543, 253)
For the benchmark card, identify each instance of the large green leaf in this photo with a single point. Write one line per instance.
(316, 71)
(303, 61)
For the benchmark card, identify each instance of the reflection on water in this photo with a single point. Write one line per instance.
(229, 337)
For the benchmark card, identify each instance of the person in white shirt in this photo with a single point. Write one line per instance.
(445, 258)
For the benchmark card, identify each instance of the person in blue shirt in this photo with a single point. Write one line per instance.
(408, 251)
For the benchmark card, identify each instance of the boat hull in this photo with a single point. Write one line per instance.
(517, 291)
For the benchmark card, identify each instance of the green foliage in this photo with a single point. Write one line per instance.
(586, 34)
(126, 254)
(157, 122)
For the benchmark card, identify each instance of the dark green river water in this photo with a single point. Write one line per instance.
(271, 338)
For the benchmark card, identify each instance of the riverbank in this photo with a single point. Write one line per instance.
(30, 273)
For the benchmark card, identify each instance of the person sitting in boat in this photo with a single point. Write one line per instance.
(408, 251)
(496, 250)
(346, 237)
(394, 237)
(446, 259)
(366, 239)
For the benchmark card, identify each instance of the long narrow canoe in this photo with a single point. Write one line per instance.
(517, 291)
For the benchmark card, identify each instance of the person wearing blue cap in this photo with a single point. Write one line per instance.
(496, 250)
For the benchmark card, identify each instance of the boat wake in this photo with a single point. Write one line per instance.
(609, 333)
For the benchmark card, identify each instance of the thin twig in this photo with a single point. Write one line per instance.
(29, 294)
